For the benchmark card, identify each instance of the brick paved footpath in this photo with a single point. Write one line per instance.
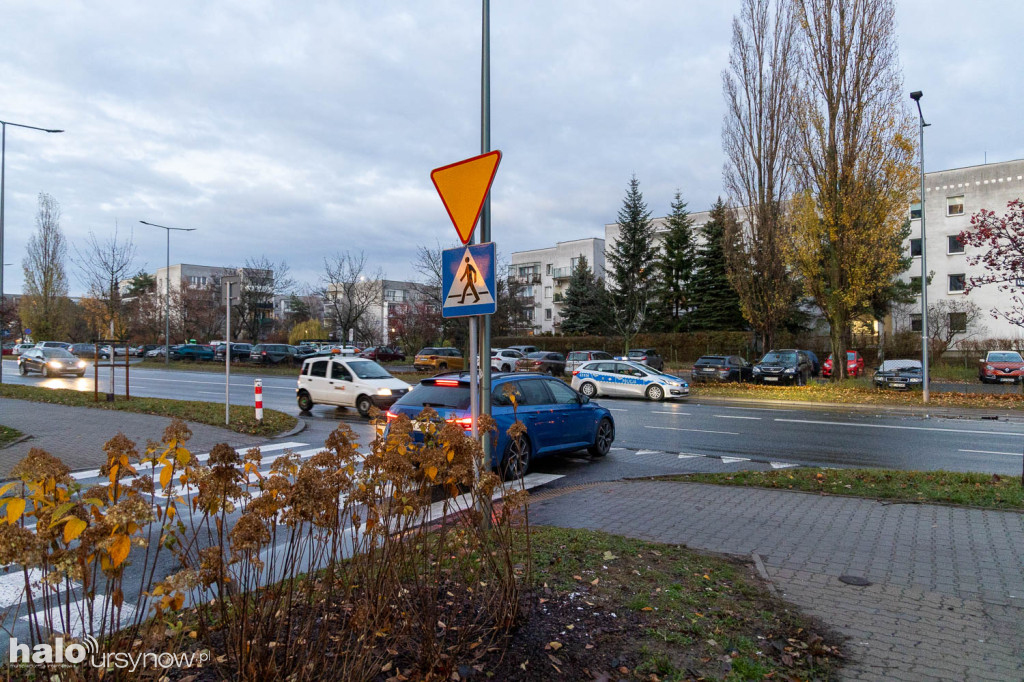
(947, 595)
(77, 434)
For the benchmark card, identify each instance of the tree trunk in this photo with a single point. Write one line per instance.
(837, 332)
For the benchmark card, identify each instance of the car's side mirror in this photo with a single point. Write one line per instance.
(584, 399)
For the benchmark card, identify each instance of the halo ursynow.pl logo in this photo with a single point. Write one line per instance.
(88, 652)
(57, 652)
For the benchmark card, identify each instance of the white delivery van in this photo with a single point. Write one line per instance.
(347, 382)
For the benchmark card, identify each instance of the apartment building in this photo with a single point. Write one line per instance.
(951, 198)
(544, 275)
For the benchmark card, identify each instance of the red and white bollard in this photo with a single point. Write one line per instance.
(259, 399)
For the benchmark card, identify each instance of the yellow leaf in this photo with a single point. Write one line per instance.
(3, 490)
(119, 550)
(555, 645)
(73, 528)
(165, 475)
(183, 455)
(15, 508)
(431, 472)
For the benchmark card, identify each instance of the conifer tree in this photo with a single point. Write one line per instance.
(631, 261)
(716, 305)
(585, 307)
(675, 269)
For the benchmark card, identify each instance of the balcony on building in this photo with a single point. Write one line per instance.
(561, 273)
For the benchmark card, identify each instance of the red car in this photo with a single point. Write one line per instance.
(1001, 367)
(854, 364)
(382, 354)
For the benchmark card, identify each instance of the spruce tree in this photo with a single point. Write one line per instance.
(675, 269)
(631, 261)
(585, 306)
(716, 305)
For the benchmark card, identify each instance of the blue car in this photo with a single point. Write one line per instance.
(557, 418)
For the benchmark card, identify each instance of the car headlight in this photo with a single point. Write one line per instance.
(383, 391)
(790, 370)
(757, 370)
(53, 363)
(672, 383)
(989, 368)
(914, 381)
(81, 363)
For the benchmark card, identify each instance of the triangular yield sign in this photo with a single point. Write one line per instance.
(463, 186)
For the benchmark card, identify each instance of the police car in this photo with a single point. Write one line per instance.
(624, 378)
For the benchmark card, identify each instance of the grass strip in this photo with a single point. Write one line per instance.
(243, 418)
(217, 367)
(8, 435)
(988, 491)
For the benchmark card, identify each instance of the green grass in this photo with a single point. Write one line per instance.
(218, 367)
(988, 491)
(243, 419)
(686, 610)
(8, 435)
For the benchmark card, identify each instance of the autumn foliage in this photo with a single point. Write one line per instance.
(1002, 257)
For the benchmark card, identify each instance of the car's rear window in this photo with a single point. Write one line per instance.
(539, 354)
(432, 395)
(710, 360)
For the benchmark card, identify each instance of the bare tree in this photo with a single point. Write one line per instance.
(854, 157)
(349, 291)
(428, 266)
(44, 306)
(103, 264)
(262, 280)
(757, 139)
(951, 323)
(198, 310)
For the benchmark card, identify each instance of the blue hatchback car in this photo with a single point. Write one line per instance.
(557, 418)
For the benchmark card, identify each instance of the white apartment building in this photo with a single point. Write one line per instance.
(951, 198)
(193, 275)
(545, 275)
(612, 230)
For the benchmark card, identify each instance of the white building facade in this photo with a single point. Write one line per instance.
(544, 275)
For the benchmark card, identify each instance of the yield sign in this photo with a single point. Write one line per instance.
(463, 186)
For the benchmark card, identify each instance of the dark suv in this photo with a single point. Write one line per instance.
(272, 354)
(720, 368)
(786, 366)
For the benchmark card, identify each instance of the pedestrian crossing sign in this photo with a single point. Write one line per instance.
(468, 280)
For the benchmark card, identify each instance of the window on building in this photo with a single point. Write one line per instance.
(915, 322)
(915, 247)
(915, 210)
(547, 292)
(197, 281)
(955, 205)
(528, 314)
(954, 245)
(915, 282)
(957, 322)
(527, 291)
(547, 313)
(957, 283)
(573, 261)
(547, 269)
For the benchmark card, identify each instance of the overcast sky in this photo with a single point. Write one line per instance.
(295, 130)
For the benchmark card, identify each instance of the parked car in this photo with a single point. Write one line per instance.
(22, 347)
(438, 358)
(141, 350)
(272, 354)
(382, 354)
(347, 382)
(88, 350)
(239, 351)
(191, 351)
(721, 368)
(786, 366)
(504, 359)
(901, 375)
(854, 364)
(159, 351)
(525, 350)
(53, 344)
(50, 362)
(542, 361)
(8, 348)
(646, 356)
(815, 363)
(557, 418)
(577, 357)
(1001, 367)
(629, 379)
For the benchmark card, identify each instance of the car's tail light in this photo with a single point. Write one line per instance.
(464, 422)
(391, 416)
(575, 372)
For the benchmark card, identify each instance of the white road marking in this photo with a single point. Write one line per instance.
(735, 416)
(992, 452)
(689, 455)
(733, 460)
(649, 452)
(675, 428)
(684, 414)
(905, 428)
(781, 465)
(12, 586)
(79, 614)
(93, 473)
(616, 409)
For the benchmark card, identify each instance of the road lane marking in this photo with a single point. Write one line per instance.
(905, 428)
(992, 452)
(675, 428)
(649, 452)
(735, 416)
(616, 409)
(781, 465)
(685, 414)
(733, 460)
(689, 455)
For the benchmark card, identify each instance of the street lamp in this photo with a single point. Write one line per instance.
(916, 96)
(167, 288)
(3, 168)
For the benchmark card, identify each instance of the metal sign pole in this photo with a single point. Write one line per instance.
(227, 363)
(485, 217)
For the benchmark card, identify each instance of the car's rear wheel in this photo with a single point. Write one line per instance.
(506, 368)
(588, 389)
(655, 393)
(443, 365)
(603, 439)
(516, 460)
(363, 405)
(22, 369)
(305, 402)
(554, 371)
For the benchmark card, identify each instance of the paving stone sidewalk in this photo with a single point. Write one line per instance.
(947, 595)
(77, 434)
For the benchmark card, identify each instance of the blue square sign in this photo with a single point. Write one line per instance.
(468, 281)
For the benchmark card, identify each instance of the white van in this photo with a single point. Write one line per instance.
(347, 382)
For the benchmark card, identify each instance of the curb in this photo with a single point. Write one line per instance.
(14, 442)
(955, 413)
(294, 431)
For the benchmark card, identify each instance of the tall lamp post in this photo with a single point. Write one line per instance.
(3, 169)
(167, 288)
(916, 96)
